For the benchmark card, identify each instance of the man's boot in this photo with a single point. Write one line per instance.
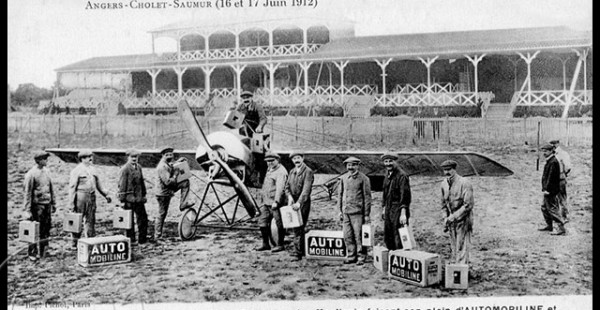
(264, 231)
(280, 236)
(560, 231)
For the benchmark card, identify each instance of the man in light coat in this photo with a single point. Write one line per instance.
(457, 206)
(272, 198)
(354, 202)
(83, 184)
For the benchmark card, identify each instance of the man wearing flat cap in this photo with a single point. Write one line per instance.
(255, 118)
(83, 184)
(132, 193)
(551, 190)
(166, 186)
(39, 202)
(354, 203)
(271, 199)
(565, 169)
(298, 189)
(396, 201)
(457, 207)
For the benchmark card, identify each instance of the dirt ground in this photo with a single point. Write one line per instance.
(509, 257)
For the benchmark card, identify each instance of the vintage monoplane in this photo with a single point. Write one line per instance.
(241, 168)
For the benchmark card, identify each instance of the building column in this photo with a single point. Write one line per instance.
(178, 46)
(180, 71)
(528, 59)
(585, 53)
(237, 44)
(207, 72)
(153, 74)
(238, 78)
(153, 51)
(341, 65)
(305, 66)
(272, 67)
(573, 82)
(305, 40)
(475, 61)
(270, 31)
(383, 64)
(428, 62)
(206, 48)
(564, 60)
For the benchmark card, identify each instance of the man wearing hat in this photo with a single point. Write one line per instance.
(396, 201)
(551, 190)
(298, 188)
(255, 118)
(272, 198)
(166, 186)
(354, 202)
(457, 206)
(83, 183)
(39, 202)
(565, 169)
(132, 193)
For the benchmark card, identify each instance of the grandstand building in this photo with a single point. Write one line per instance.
(313, 65)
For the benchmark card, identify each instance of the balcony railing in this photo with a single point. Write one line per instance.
(242, 52)
(550, 97)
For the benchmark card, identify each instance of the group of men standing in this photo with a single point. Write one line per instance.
(280, 189)
(84, 182)
(354, 204)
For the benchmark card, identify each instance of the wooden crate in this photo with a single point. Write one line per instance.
(414, 267)
(100, 251)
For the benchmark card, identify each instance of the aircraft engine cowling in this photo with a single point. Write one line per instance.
(230, 143)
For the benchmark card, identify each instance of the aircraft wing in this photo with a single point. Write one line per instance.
(116, 157)
(412, 163)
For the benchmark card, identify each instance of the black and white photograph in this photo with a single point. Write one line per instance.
(299, 154)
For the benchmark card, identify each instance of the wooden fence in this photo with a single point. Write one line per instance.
(317, 132)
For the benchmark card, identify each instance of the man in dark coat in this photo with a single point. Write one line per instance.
(396, 201)
(298, 188)
(255, 118)
(132, 193)
(551, 190)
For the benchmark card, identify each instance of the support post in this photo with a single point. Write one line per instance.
(238, 78)
(383, 64)
(153, 74)
(207, 72)
(573, 84)
(305, 66)
(272, 67)
(180, 71)
(528, 59)
(341, 65)
(475, 61)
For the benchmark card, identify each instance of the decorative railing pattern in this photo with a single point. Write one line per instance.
(550, 97)
(242, 52)
(422, 88)
(319, 95)
(434, 99)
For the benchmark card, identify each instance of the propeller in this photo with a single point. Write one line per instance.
(218, 156)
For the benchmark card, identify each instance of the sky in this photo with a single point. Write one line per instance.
(44, 35)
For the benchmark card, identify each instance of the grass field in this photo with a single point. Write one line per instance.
(509, 257)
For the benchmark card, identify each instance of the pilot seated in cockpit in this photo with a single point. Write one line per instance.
(255, 118)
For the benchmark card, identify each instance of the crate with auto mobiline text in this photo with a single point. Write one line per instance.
(73, 222)
(325, 244)
(100, 251)
(415, 267)
(457, 276)
(123, 219)
(29, 231)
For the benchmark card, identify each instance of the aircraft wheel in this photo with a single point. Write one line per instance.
(274, 233)
(187, 227)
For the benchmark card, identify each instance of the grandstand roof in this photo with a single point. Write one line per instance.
(403, 46)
